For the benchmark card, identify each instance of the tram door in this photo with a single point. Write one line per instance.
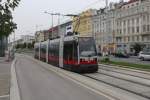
(70, 54)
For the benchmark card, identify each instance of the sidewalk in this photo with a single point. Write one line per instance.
(4, 78)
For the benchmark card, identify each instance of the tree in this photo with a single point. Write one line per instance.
(24, 45)
(138, 47)
(29, 46)
(7, 26)
(33, 44)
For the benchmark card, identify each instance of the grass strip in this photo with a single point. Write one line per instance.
(128, 65)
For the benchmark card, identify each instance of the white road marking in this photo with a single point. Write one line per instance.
(14, 89)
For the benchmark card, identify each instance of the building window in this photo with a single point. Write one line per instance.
(142, 38)
(137, 38)
(132, 22)
(124, 31)
(144, 28)
(144, 18)
(133, 31)
(148, 28)
(120, 31)
(128, 30)
(148, 18)
(128, 22)
(133, 39)
(137, 21)
(137, 29)
(124, 22)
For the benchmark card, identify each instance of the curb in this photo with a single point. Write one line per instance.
(4, 97)
(14, 89)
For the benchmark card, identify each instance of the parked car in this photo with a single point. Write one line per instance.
(121, 55)
(132, 54)
(144, 55)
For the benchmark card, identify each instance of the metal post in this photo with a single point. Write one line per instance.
(52, 25)
(106, 3)
(13, 53)
(59, 24)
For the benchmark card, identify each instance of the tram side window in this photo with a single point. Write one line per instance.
(70, 51)
(57, 49)
(36, 49)
(41, 48)
(50, 49)
(52, 53)
(54, 49)
(44, 49)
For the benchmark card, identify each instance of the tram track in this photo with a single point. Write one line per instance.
(110, 83)
(127, 77)
(147, 85)
(130, 73)
(126, 68)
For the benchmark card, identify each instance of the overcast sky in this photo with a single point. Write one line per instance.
(30, 13)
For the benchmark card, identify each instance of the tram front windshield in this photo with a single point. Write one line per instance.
(87, 47)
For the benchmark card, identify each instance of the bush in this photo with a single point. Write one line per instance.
(106, 59)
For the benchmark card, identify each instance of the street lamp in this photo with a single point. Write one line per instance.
(52, 14)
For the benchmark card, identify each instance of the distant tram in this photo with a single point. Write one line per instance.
(73, 53)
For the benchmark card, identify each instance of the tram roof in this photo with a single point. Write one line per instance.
(67, 38)
(72, 38)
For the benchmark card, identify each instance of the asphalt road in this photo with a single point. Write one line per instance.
(37, 83)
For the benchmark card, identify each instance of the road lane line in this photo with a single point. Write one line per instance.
(14, 88)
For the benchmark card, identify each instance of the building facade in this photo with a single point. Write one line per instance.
(132, 25)
(53, 32)
(121, 25)
(39, 36)
(83, 23)
(27, 38)
(103, 24)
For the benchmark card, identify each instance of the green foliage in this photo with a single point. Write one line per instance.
(33, 44)
(24, 45)
(19, 46)
(129, 65)
(29, 45)
(105, 59)
(138, 47)
(6, 19)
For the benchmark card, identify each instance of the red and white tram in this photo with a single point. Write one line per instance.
(73, 53)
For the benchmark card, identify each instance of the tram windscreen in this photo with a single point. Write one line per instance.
(87, 47)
